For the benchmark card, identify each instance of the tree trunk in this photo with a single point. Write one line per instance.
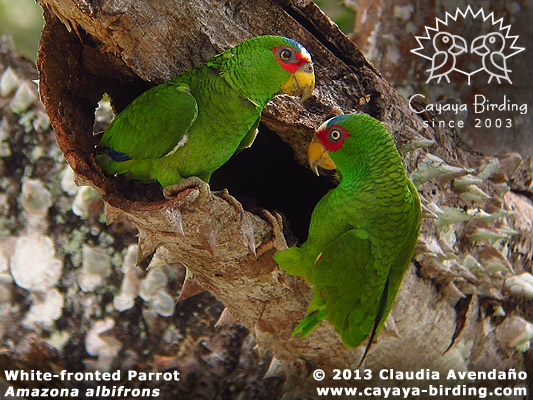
(448, 312)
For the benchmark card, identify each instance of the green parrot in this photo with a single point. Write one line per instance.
(192, 124)
(362, 234)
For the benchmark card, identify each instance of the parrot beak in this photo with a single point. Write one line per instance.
(301, 83)
(459, 46)
(317, 156)
(478, 46)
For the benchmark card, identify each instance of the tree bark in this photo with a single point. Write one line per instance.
(122, 48)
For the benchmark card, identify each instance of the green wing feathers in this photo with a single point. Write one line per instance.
(348, 283)
(351, 281)
(249, 138)
(154, 123)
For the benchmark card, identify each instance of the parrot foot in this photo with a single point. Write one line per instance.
(224, 194)
(172, 191)
(278, 240)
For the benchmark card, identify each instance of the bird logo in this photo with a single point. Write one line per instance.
(450, 53)
(490, 48)
(447, 48)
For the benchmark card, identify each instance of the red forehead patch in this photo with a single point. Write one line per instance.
(332, 137)
(293, 66)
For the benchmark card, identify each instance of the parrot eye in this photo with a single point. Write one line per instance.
(445, 39)
(492, 39)
(332, 137)
(287, 55)
(335, 135)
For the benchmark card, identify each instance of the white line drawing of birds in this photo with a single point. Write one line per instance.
(490, 47)
(447, 48)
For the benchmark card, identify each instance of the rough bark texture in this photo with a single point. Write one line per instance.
(122, 48)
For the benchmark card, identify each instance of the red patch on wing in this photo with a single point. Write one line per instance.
(330, 145)
(290, 67)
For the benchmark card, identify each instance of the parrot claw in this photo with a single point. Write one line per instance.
(172, 191)
(224, 194)
(278, 240)
(247, 230)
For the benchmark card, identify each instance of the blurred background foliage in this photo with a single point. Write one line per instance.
(23, 20)
(338, 12)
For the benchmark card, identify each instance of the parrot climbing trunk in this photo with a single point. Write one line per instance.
(362, 234)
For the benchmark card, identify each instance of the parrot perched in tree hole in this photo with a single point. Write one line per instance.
(362, 233)
(192, 124)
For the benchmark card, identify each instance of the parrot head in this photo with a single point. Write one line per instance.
(341, 142)
(485, 44)
(295, 59)
(269, 64)
(454, 44)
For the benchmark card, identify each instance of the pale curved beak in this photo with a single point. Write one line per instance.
(459, 46)
(478, 46)
(318, 156)
(301, 83)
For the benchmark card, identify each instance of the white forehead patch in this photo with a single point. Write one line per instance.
(324, 125)
(305, 53)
